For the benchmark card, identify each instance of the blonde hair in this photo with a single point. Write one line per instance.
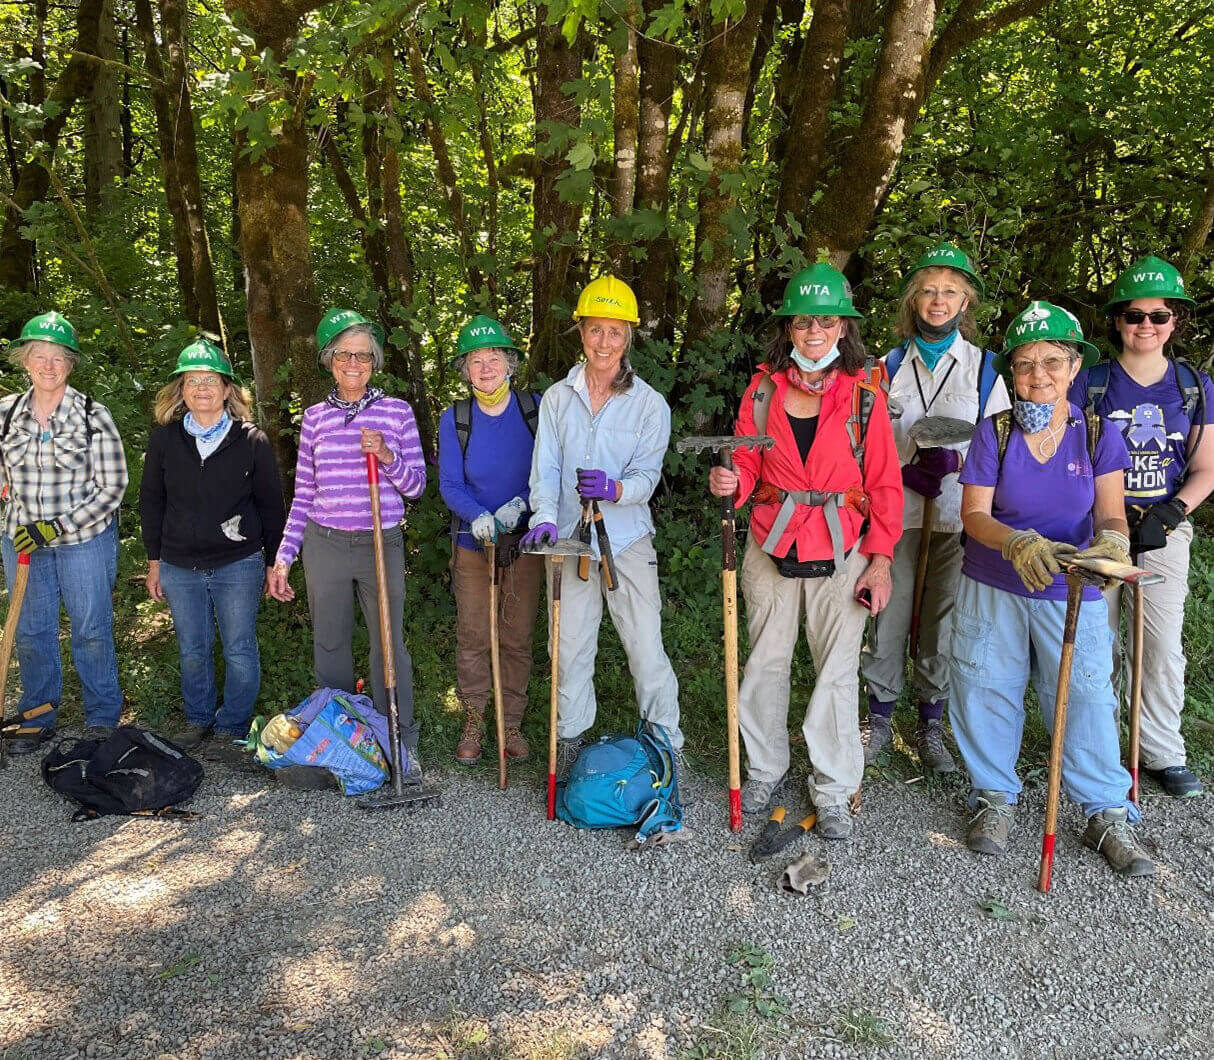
(170, 401)
(906, 324)
(18, 352)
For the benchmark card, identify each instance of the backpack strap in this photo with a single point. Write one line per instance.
(893, 361)
(1095, 428)
(863, 398)
(8, 417)
(987, 375)
(1194, 395)
(1098, 384)
(1003, 433)
(761, 403)
(463, 423)
(530, 408)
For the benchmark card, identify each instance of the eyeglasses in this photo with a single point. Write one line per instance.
(346, 356)
(805, 323)
(949, 294)
(202, 384)
(1053, 365)
(1137, 316)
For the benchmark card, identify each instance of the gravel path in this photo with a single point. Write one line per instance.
(296, 925)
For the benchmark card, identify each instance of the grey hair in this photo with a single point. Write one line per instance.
(19, 351)
(377, 350)
(510, 356)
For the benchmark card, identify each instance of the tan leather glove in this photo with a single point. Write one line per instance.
(1107, 544)
(1035, 558)
(281, 732)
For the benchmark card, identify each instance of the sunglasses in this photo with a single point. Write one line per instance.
(1137, 316)
(805, 323)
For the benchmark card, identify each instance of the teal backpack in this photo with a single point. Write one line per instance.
(624, 782)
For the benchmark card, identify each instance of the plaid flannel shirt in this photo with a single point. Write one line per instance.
(61, 473)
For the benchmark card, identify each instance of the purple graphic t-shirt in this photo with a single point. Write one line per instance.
(1054, 498)
(1153, 422)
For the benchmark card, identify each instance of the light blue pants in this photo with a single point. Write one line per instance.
(999, 641)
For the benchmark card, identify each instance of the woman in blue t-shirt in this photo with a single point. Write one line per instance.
(1051, 487)
(1161, 407)
(484, 460)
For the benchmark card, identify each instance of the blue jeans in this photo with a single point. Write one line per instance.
(82, 577)
(228, 596)
(999, 641)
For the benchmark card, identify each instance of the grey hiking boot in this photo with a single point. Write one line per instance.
(991, 825)
(880, 736)
(566, 754)
(757, 795)
(1110, 833)
(191, 737)
(929, 741)
(834, 822)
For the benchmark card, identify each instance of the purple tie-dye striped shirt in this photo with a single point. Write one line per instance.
(331, 472)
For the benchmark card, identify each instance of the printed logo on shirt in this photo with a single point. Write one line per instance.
(1151, 457)
(1079, 468)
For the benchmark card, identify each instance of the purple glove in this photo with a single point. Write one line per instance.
(535, 537)
(938, 461)
(915, 478)
(594, 485)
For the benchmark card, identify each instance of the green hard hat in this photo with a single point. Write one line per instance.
(483, 333)
(203, 356)
(335, 321)
(948, 256)
(49, 327)
(1045, 322)
(819, 291)
(1148, 277)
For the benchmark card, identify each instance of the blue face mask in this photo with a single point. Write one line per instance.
(1033, 416)
(825, 361)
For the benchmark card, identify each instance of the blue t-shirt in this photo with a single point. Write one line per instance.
(1054, 498)
(494, 470)
(1153, 422)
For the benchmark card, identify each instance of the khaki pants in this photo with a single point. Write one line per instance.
(834, 628)
(883, 660)
(518, 597)
(1163, 654)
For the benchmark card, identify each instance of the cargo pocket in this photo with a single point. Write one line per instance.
(971, 643)
(1092, 667)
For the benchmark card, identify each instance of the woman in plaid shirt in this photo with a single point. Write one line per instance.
(64, 473)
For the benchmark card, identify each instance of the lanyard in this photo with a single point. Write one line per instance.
(927, 405)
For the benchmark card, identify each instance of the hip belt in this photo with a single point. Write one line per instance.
(829, 502)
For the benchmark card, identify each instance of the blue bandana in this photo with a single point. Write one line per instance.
(931, 352)
(206, 434)
(1033, 416)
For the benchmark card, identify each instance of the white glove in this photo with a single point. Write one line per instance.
(484, 529)
(510, 514)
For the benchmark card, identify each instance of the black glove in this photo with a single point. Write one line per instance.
(1150, 530)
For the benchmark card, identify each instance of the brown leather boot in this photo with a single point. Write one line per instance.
(468, 750)
(517, 748)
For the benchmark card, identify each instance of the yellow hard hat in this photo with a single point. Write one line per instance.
(607, 297)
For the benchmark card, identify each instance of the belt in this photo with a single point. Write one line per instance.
(830, 503)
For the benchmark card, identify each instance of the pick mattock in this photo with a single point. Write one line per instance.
(495, 664)
(398, 797)
(929, 433)
(1079, 572)
(556, 553)
(725, 445)
(15, 600)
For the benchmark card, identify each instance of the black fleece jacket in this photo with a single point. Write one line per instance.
(204, 514)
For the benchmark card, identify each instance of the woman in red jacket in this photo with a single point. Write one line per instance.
(827, 513)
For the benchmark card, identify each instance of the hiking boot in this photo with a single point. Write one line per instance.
(991, 825)
(468, 750)
(413, 774)
(757, 795)
(98, 732)
(226, 751)
(834, 822)
(1177, 781)
(929, 741)
(1109, 832)
(880, 736)
(517, 748)
(566, 754)
(191, 737)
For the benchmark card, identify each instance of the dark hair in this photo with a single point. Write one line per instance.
(1183, 317)
(852, 354)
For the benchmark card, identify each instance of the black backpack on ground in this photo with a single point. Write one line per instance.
(133, 772)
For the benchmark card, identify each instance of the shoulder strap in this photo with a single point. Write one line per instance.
(8, 418)
(863, 398)
(762, 403)
(1098, 384)
(1003, 432)
(877, 373)
(529, 407)
(463, 423)
(1190, 386)
(893, 361)
(1095, 427)
(987, 374)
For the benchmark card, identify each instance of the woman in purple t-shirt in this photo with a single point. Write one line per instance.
(1039, 483)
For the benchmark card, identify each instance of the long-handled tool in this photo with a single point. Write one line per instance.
(1136, 692)
(725, 445)
(608, 557)
(556, 553)
(495, 664)
(15, 600)
(929, 433)
(775, 837)
(397, 797)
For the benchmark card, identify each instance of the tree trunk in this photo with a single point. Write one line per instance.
(726, 72)
(624, 127)
(102, 118)
(128, 129)
(1199, 228)
(764, 40)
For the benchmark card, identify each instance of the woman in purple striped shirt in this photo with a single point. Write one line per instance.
(330, 519)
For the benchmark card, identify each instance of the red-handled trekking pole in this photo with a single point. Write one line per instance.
(16, 599)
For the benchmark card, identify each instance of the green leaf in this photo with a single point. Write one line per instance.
(581, 155)
(738, 1004)
(996, 910)
(700, 162)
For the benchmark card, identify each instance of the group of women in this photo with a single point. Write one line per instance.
(1099, 460)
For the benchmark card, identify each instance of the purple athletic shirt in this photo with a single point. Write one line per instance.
(1154, 425)
(331, 472)
(1054, 498)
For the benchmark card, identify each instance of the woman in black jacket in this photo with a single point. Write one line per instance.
(213, 515)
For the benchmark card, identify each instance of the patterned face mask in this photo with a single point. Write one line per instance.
(1033, 416)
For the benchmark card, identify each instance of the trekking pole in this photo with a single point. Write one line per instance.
(495, 665)
(1136, 692)
(15, 600)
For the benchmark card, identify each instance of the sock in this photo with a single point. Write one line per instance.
(877, 706)
(929, 711)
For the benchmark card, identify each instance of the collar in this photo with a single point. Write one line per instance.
(70, 405)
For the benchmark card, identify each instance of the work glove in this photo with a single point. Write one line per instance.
(543, 534)
(1035, 558)
(1155, 522)
(922, 482)
(510, 514)
(594, 485)
(33, 536)
(1107, 544)
(938, 461)
(484, 528)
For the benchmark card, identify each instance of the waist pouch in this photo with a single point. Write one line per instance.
(507, 549)
(791, 567)
(1146, 535)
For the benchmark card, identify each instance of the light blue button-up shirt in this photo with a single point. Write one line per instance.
(627, 439)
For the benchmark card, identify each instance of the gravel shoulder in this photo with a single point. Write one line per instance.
(293, 925)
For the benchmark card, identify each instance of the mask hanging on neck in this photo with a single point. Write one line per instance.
(493, 398)
(1033, 416)
(825, 361)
